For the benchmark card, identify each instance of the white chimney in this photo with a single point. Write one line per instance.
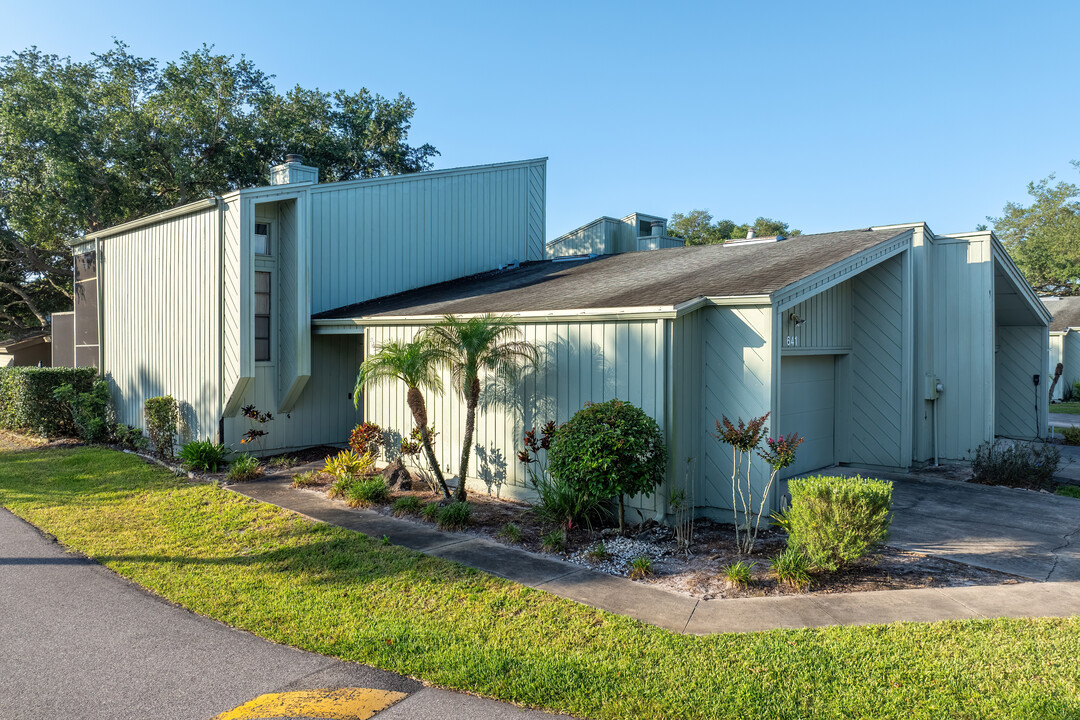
(750, 234)
(293, 170)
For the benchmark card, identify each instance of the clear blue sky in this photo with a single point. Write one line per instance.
(825, 115)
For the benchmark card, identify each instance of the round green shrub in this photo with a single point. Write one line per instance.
(609, 449)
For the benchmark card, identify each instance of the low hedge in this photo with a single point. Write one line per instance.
(27, 403)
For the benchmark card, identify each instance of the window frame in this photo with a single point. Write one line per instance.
(269, 315)
(269, 238)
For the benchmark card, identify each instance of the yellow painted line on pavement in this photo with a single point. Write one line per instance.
(336, 704)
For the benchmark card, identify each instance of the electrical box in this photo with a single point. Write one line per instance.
(932, 387)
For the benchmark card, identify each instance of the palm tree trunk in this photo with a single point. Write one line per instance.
(419, 411)
(470, 428)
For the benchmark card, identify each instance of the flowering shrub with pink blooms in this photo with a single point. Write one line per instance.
(745, 439)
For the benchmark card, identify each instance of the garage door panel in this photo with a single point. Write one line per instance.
(808, 407)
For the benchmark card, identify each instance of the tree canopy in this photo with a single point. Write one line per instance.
(86, 145)
(697, 227)
(1043, 238)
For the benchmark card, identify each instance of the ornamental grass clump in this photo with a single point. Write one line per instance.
(745, 439)
(244, 467)
(407, 505)
(738, 574)
(836, 520)
(203, 455)
(454, 516)
(792, 567)
(365, 492)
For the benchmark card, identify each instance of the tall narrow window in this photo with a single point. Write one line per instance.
(261, 242)
(262, 316)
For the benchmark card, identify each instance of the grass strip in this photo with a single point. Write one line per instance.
(338, 592)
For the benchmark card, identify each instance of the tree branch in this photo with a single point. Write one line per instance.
(26, 299)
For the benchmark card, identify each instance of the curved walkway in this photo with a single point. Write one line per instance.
(679, 612)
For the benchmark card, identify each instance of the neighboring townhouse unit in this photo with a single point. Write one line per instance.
(211, 302)
(608, 236)
(884, 347)
(1064, 342)
(30, 349)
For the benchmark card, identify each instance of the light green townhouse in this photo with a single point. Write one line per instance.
(886, 347)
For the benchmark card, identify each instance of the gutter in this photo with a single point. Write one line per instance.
(665, 312)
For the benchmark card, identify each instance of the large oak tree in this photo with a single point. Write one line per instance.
(1043, 238)
(85, 145)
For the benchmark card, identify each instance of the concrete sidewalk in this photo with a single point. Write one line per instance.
(670, 610)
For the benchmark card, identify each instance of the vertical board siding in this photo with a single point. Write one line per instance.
(537, 213)
(1019, 356)
(284, 305)
(687, 434)
(379, 238)
(963, 346)
(324, 413)
(922, 249)
(876, 366)
(827, 325)
(161, 320)
(233, 266)
(593, 239)
(1070, 352)
(736, 381)
(579, 362)
(1056, 344)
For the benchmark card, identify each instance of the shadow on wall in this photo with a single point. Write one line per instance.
(491, 468)
(130, 397)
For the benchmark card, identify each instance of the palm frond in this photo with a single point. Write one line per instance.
(414, 363)
(468, 346)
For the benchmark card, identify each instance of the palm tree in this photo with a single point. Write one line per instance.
(415, 364)
(488, 342)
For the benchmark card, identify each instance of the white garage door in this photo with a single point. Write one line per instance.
(808, 406)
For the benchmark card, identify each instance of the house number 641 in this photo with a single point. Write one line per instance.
(791, 341)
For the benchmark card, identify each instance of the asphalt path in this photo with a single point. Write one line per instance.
(79, 641)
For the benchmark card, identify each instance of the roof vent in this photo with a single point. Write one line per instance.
(294, 157)
(750, 239)
(750, 234)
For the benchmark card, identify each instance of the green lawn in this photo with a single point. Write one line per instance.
(340, 593)
(1071, 408)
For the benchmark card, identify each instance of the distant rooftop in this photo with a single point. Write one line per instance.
(1066, 312)
(657, 278)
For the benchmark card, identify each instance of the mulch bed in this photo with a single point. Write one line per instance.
(699, 574)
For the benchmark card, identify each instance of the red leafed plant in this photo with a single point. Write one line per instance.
(366, 439)
(255, 416)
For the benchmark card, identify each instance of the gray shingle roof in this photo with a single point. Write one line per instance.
(640, 279)
(1066, 312)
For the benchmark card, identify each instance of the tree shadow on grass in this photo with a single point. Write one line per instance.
(330, 562)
